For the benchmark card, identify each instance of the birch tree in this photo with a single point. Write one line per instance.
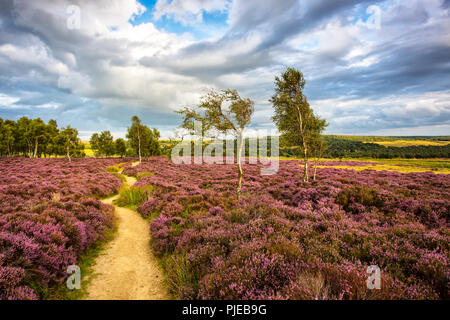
(294, 117)
(226, 112)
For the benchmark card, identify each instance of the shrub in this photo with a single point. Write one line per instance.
(285, 239)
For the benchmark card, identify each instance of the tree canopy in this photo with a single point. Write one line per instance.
(33, 138)
(294, 117)
(143, 140)
(225, 112)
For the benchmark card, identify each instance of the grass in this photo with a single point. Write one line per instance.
(177, 273)
(132, 197)
(115, 168)
(141, 175)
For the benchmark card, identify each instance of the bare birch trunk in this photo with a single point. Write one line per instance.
(305, 176)
(36, 143)
(241, 173)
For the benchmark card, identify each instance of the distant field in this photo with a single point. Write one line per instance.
(87, 149)
(409, 143)
(376, 139)
(438, 166)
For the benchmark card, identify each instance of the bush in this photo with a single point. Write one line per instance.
(285, 239)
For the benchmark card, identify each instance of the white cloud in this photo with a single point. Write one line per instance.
(6, 100)
(188, 11)
(34, 56)
(354, 115)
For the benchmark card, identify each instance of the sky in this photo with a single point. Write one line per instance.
(371, 67)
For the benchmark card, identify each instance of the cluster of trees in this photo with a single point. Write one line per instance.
(142, 142)
(103, 145)
(225, 112)
(34, 138)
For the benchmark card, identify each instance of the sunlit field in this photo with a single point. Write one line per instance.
(407, 143)
(438, 166)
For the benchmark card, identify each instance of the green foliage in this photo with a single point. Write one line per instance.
(343, 147)
(179, 274)
(133, 196)
(71, 142)
(141, 175)
(103, 144)
(143, 140)
(361, 194)
(294, 117)
(215, 116)
(33, 138)
(120, 147)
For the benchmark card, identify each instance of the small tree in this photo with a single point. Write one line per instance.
(103, 144)
(51, 134)
(106, 143)
(70, 139)
(135, 135)
(295, 119)
(120, 147)
(38, 130)
(143, 139)
(6, 138)
(94, 142)
(233, 119)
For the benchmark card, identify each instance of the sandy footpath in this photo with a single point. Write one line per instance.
(127, 269)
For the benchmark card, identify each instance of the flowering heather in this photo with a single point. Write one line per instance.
(286, 239)
(48, 217)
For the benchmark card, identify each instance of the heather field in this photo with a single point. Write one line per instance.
(288, 239)
(49, 216)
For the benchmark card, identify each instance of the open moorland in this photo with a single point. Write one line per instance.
(286, 239)
(283, 239)
(49, 216)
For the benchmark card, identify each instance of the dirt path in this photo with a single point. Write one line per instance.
(127, 269)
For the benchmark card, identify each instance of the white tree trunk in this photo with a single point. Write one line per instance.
(241, 173)
(305, 177)
(139, 139)
(36, 148)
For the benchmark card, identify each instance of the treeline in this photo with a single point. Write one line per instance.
(34, 138)
(345, 148)
(339, 148)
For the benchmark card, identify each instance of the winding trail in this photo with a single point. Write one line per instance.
(127, 268)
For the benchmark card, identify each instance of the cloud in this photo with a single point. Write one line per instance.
(96, 77)
(188, 11)
(362, 116)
